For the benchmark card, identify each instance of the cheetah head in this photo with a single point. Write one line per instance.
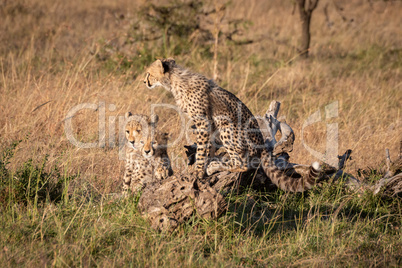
(139, 133)
(155, 74)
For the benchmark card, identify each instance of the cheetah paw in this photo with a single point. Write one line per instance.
(198, 174)
(162, 173)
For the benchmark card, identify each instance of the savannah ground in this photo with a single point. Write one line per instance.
(55, 197)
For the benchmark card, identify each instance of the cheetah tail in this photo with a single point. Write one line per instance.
(286, 181)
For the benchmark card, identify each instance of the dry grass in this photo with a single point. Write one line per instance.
(49, 62)
(46, 60)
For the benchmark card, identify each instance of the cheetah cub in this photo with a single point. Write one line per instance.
(146, 152)
(220, 117)
(215, 112)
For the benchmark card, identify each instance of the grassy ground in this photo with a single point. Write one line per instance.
(57, 54)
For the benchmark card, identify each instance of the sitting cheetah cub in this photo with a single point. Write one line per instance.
(213, 111)
(146, 154)
(221, 118)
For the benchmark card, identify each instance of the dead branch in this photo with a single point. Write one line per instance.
(343, 158)
(388, 162)
(327, 19)
(173, 201)
(285, 144)
(391, 184)
(170, 202)
(272, 126)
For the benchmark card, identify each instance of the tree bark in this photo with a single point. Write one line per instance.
(305, 12)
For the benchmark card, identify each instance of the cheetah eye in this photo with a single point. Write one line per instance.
(128, 131)
(142, 142)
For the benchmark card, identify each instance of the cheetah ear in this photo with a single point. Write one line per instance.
(168, 64)
(165, 65)
(159, 66)
(171, 61)
(154, 118)
(127, 115)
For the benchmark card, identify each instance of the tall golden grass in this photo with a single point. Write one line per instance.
(49, 63)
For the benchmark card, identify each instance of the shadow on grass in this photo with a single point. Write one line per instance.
(257, 213)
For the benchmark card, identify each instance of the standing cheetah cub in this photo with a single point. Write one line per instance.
(146, 153)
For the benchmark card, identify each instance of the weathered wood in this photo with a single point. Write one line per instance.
(391, 183)
(388, 186)
(270, 124)
(388, 159)
(285, 144)
(168, 203)
(343, 158)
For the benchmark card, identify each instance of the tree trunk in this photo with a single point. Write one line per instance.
(305, 11)
(305, 38)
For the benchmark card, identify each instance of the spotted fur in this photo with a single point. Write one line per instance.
(146, 154)
(217, 115)
(290, 180)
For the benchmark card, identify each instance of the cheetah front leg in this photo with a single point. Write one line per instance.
(163, 169)
(203, 144)
(127, 177)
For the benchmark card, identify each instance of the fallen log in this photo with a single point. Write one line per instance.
(170, 202)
